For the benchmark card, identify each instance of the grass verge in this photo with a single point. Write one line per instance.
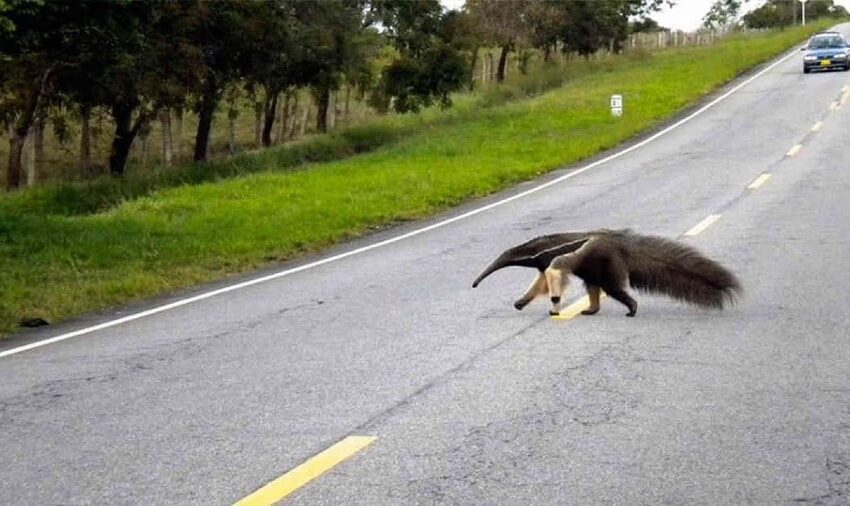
(73, 249)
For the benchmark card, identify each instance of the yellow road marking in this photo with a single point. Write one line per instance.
(575, 309)
(306, 472)
(704, 224)
(759, 181)
(817, 126)
(793, 151)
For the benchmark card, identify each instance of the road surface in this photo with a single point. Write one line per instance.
(470, 401)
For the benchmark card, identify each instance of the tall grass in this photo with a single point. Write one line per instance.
(75, 248)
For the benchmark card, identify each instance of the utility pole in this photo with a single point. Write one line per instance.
(804, 11)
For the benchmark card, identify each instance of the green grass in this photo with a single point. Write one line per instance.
(75, 248)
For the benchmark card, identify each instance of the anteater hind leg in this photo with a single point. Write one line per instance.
(615, 286)
(594, 292)
(538, 288)
(617, 293)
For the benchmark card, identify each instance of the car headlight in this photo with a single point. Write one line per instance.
(841, 56)
(810, 57)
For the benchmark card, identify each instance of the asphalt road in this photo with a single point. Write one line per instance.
(472, 402)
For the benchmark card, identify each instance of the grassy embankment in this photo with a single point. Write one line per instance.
(77, 248)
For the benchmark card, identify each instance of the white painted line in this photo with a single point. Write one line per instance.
(844, 97)
(845, 88)
(213, 293)
(704, 224)
(759, 181)
(794, 150)
(833, 106)
(817, 126)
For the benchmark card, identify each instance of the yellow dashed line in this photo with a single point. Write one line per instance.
(759, 181)
(704, 224)
(575, 309)
(306, 472)
(793, 151)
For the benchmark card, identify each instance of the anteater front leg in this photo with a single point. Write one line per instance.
(594, 292)
(538, 288)
(557, 280)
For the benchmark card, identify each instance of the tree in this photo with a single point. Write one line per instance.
(503, 24)
(646, 25)
(721, 14)
(429, 65)
(270, 57)
(331, 34)
(777, 13)
(31, 57)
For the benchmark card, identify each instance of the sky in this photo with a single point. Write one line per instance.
(685, 15)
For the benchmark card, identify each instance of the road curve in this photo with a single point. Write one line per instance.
(470, 401)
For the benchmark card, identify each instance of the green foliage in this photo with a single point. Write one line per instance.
(777, 13)
(646, 25)
(429, 65)
(721, 14)
(6, 24)
(77, 248)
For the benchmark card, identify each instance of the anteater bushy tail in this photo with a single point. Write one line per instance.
(671, 268)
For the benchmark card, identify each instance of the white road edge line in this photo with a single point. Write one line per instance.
(244, 284)
(704, 224)
(817, 126)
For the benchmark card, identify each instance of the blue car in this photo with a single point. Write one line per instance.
(827, 50)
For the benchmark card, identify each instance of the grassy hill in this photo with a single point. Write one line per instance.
(70, 249)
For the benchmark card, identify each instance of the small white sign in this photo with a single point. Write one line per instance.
(617, 105)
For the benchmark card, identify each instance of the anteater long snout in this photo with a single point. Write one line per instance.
(502, 261)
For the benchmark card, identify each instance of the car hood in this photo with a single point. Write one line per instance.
(826, 52)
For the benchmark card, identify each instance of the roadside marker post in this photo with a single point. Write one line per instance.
(616, 105)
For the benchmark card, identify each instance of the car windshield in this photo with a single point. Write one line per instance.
(827, 43)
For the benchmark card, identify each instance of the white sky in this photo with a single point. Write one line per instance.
(685, 15)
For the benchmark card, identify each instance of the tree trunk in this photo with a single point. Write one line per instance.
(258, 123)
(285, 113)
(122, 114)
(144, 149)
(232, 114)
(490, 67)
(209, 100)
(331, 120)
(85, 142)
(28, 158)
(323, 97)
(177, 139)
(293, 118)
(13, 171)
(305, 115)
(347, 103)
(167, 139)
(32, 105)
(268, 124)
(126, 131)
(503, 60)
(39, 162)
